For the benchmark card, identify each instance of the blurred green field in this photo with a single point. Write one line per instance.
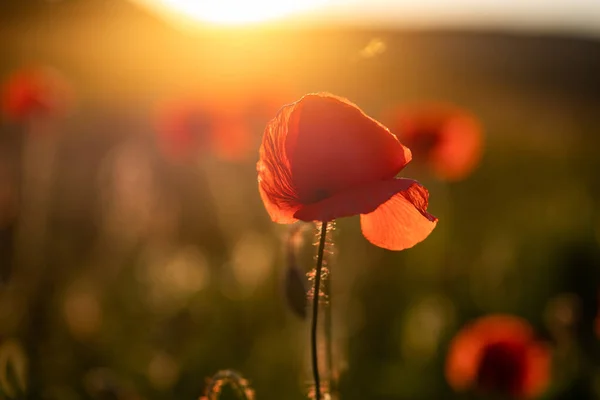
(158, 274)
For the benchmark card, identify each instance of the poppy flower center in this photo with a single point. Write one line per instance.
(502, 368)
(319, 194)
(424, 142)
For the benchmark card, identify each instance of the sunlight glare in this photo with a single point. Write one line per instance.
(233, 12)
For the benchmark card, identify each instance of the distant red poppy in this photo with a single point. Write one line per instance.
(184, 127)
(500, 354)
(322, 158)
(218, 125)
(38, 91)
(444, 137)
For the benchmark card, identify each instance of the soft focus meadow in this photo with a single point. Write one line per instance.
(137, 258)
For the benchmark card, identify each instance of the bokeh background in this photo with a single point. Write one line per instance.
(145, 271)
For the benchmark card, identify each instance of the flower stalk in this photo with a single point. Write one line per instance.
(315, 311)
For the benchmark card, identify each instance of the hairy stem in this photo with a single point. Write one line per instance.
(233, 378)
(315, 313)
(329, 332)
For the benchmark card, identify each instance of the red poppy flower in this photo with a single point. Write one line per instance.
(442, 136)
(322, 158)
(34, 92)
(498, 353)
(219, 125)
(184, 127)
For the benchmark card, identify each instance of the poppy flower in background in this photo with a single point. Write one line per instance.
(444, 137)
(323, 158)
(184, 127)
(221, 125)
(498, 354)
(35, 92)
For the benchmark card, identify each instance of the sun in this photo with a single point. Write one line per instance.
(232, 12)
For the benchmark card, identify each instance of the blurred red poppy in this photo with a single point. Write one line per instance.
(499, 354)
(31, 92)
(444, 137)
(219, 125)
(322, 158)
(184, 127)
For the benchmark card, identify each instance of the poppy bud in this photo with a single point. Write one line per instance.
(294, 286)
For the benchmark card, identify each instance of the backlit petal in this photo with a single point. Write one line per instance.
(274, 176)
(401, 222)
(277, 212)
(332, 146)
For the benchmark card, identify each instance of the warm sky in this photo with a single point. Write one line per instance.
(582, 16)
(578, 15)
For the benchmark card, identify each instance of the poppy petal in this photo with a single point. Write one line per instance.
(402, 221)
(333, 146)
(277, 213)
(463, 359)
(361, 200)
(498, 327)
(459, 150)
(274, 176)
(538, 371)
